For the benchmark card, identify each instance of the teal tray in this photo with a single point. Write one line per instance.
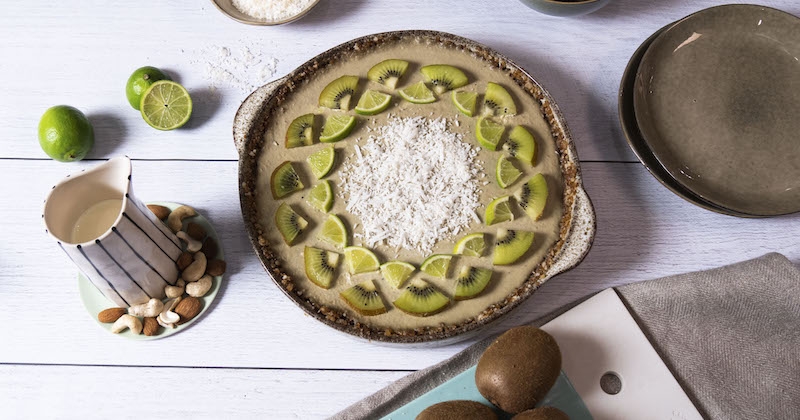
(462, 387)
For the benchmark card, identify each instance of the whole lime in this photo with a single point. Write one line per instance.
(65, 134)
(140, 80)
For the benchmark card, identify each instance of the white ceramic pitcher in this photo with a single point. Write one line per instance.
(134, 259)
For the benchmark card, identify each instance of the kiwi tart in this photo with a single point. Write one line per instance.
(450, 294)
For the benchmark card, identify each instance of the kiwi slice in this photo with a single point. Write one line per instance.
(289, 223)
(364, 298)
(320, 266)
(419, 298)
(338, 93)
(300, 131)
(497, 101)
(532, 197)
(521, 145)
(284, 181)
(388, 72)
(471, 281)
(511, 245)
(444, 77)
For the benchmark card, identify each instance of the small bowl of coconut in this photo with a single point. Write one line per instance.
(265, 12)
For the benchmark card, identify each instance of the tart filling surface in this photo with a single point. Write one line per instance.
(410, 182)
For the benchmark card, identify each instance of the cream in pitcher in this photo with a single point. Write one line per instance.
(115, 241)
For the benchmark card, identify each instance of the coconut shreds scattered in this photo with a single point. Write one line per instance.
(412, 183)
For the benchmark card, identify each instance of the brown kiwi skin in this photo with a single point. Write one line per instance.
(518, 369)
(457, 410)
(542, 413)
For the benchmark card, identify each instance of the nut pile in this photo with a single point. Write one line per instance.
(198, 266)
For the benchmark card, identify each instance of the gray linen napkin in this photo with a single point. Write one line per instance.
(731, 337)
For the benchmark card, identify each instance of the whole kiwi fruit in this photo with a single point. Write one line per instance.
(457, 410)
(542, 413)
(518, 369)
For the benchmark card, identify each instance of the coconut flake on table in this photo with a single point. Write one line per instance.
(272, 10)
(244, 67)
(413, 184)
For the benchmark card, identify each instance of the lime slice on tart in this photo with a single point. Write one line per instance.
(166, 105)
(436, 265)
(418, 93)
(396, 272)
(334, 232)
(472, 245)
(505, 172)
(337, 127)
(321, 161)
(321, 196)
(498, 211)
(464, 101)
(373, 102)
(360, 260)
(488, 133)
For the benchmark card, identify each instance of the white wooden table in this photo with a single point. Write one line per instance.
(54, 360)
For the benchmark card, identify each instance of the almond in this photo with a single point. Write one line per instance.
(210, 248)
(160, 211)
(188, 308)
(110, 315)
(216, 267)
(150, 326)
(184, 260)
(195, 231)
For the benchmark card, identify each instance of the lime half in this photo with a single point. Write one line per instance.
(373, 102)
(337, 127)
(321, 161)
(498, 211)
(488, 133)
(396, 272)
(436, 265)
(334, 232)
(360, 260)
(166, 105)
(472, 245)
(464, 101)
(418, 94)
(321, 196)
(506, 173)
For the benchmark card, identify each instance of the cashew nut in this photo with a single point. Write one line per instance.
(200, 287)
(127, 321)
(176, 290)
(196, 269)
(175, 219)
(167, 318)
(192, 244)
(151, 308)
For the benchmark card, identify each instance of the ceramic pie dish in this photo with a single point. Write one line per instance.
(716, 102)
(259, 130)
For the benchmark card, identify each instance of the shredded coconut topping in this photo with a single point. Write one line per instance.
(412, 183)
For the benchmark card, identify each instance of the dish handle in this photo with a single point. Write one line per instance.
(249, 110)
(581, 235)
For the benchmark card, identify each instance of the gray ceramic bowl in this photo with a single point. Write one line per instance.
(716, 100)
(228, 9)
(627, 119)
(565, 7)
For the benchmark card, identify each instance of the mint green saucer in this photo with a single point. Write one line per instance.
(94, 301)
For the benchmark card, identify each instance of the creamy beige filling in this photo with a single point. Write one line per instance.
(506, 279)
